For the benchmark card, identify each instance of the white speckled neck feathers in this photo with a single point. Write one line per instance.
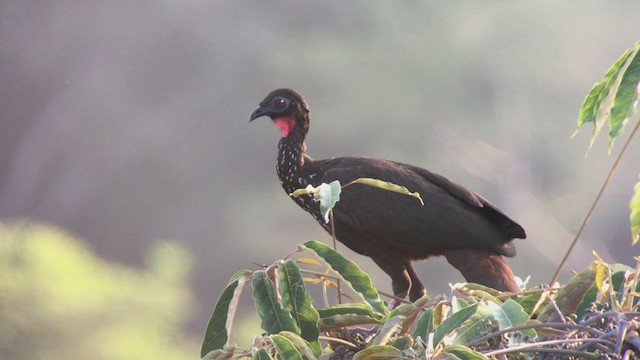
(295, 170)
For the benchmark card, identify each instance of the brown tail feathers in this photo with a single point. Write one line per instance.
(483, 267)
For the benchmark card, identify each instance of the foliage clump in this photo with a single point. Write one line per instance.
(593, 316)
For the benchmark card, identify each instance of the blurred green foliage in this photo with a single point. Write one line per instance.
(60, 301)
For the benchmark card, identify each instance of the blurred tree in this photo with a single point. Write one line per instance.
(59, 301)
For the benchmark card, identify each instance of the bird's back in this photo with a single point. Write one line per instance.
(452, 217)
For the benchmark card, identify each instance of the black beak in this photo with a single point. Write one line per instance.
(258, 113)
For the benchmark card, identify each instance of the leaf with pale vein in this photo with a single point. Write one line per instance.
(347, 270)
(274, 317)
(219, 327)
(624, 105)
(297, 301)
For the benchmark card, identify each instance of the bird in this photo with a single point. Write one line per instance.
(392, 229)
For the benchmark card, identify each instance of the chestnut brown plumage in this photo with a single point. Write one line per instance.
(392, 229)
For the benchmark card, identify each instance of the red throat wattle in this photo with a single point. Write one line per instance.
(285, 124)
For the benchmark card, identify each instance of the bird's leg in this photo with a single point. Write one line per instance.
(400, 278)
(417, 289)
(483, 267)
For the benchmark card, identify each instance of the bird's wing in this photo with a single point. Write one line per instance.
(452, 217)
(489, 211)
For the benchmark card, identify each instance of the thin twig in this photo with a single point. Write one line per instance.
(525, 292)
(536, 327)
(393, 296)
(537, 346)
(340, 341)
(593, 206)
(577, 354)
(628, 316)
(335, 247)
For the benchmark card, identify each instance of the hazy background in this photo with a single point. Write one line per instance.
(126, 123)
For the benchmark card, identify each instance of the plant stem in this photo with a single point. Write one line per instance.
(335, 247)
(595, 202)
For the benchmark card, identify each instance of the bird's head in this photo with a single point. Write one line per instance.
(287, 109)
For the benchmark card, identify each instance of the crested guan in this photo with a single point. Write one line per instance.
(392, 229)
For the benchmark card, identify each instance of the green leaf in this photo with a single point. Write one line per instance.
(569, 296)
(598, 103)
(590, 106)
(226, 353)
(403, 343)
(634, 218)
(378, 352)
(303, 346)
(347, 315)
(511, 314)
(328, 195)
(354, 277)
(284, 348)
(260, 354)
(587, 299)
(388, 329)
(297, 301)
(385, 185)
(424, 325)
(477, 291)
(624, 105)
(529, 301)
(464, 353)
(453, 322)
(219, 327)
(480, 323)
(274, 317)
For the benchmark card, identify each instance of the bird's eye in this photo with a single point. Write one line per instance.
(280, 103)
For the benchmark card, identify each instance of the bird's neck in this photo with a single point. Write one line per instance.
(292, 160)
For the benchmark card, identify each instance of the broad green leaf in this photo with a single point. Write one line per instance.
(511, 314)
(260, 354)
(453, 322)
(587, 299)
(634, 218)
(388, 329)
(600, 100)
(285, 349)
(590, 106)
(226, 353)
(424, 325)
(219, 327)
(274, 317)
(353, 276)
(385, 185)
(347, 315)
(464, 353)
(297, 301)
(403, 343)
(328, 195)
(569, 296)
(528, 301)
(410, 313)
(624, 105)
(480, 323)
(303, 347)
(378, 352)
